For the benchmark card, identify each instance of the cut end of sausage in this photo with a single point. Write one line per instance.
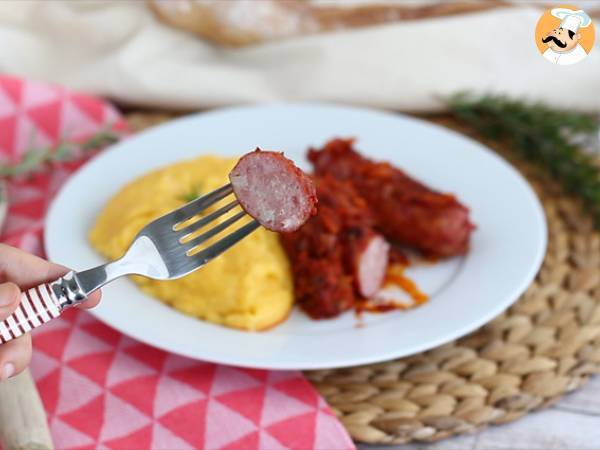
(453, 233)
(273, 190)
(373, 265)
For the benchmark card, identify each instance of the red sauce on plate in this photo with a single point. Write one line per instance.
(395, 277)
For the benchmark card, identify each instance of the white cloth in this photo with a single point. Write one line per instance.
(566, 58)
(120, 50)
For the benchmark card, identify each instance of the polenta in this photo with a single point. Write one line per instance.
(248, 287)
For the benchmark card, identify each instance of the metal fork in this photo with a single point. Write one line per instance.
(165, 249)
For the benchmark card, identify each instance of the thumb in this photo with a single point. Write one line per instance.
(9, 299)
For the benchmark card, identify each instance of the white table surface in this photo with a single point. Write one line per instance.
(572, 424)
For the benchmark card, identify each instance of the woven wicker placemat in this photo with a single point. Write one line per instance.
(546, 344)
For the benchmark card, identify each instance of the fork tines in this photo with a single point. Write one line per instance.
(187, 228)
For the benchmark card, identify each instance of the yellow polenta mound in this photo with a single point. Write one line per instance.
(248, 287)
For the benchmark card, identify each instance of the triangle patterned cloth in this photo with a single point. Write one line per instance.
(102, 389)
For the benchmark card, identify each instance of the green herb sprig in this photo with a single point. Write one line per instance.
(553, 139)
(36, 159)
(191, 195)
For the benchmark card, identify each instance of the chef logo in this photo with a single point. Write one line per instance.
(565, 35)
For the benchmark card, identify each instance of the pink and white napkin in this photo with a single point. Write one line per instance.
(102, 389)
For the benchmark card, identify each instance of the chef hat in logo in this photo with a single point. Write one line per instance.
(571, 20)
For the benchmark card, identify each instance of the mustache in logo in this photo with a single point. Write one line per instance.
(556, 41)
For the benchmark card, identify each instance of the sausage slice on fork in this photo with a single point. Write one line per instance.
(273, 190)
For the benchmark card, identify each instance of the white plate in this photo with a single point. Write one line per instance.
(506, 251)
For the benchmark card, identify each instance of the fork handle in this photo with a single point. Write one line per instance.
(40, 305)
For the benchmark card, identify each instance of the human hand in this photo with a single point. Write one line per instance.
(18, 272)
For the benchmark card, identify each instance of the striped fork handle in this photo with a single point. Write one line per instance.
(39, 305)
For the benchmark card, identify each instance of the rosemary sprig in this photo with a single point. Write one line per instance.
(553, 139)
(36, 159)
(191, 195)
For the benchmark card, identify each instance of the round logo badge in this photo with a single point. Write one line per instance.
(565, 35)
